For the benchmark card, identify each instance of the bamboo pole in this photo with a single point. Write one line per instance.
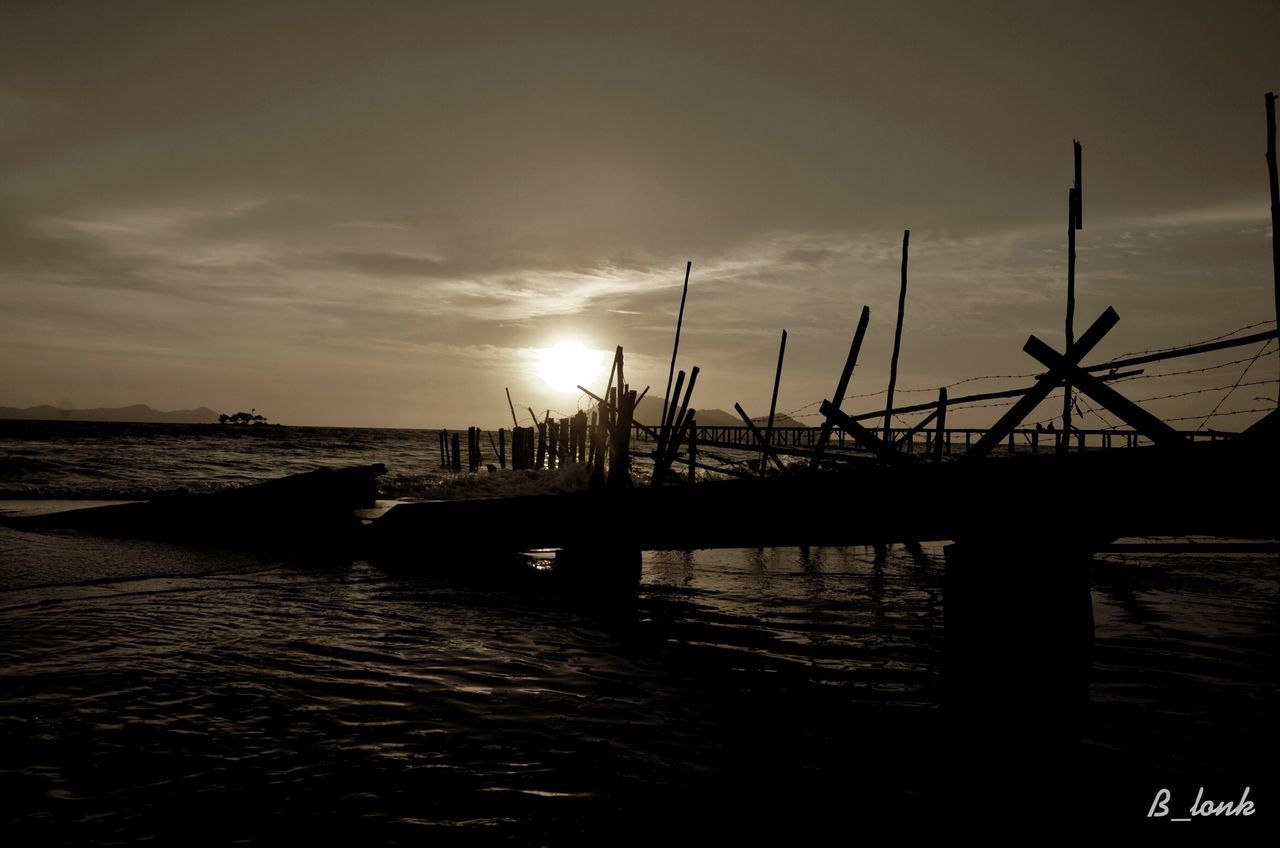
(668, 419)
(897, 344)
(666, 396)
(668, 449)
(514, 422)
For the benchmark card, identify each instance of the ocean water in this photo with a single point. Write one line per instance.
(156, 692)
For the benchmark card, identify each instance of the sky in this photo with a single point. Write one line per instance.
(376, 214)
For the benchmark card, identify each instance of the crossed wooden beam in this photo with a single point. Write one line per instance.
(1067, 368)
(1060, 368)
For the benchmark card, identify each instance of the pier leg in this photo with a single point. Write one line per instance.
(1018, 644)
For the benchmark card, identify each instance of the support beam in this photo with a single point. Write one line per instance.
(919, 425)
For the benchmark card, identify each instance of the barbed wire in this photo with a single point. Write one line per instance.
(1238, 384)
(1187, 371)
(1220, 414)
(1192, 392)
(1193, 344)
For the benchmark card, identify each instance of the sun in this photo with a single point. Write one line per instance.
(568, 364)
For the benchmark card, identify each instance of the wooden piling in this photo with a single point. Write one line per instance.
(620, 464)
(897, 344)
(456, 457)
(553, 442)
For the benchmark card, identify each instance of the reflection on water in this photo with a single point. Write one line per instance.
(147, 688)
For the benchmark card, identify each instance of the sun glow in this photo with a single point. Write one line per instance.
(569, 364)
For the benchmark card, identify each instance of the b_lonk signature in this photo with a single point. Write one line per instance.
(1202, 808)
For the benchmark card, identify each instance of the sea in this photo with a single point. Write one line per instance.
(157, 693)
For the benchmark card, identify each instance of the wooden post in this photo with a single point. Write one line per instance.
(897, 343)
(842, 385)
(514, 422)
(553, 436)
(542, 445)
(666, 397)
(1074, 222)
(593, 450)
(456, 458)
(773, 403)
(620, 467)
(444, 450)
(1275, 196)
(941, 430)
(502, 448)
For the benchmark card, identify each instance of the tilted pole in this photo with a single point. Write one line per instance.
(897, 344)
(773, 404)
(666, 396)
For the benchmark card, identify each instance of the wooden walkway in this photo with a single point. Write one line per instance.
(802, 440)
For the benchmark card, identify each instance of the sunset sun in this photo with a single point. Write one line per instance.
(568, 365)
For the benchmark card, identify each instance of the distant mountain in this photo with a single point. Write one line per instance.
(650, 412)
(138, 413)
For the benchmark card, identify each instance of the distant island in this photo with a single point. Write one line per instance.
(136, 414)
(650, 412)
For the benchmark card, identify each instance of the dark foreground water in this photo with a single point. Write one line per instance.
(149, 691)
